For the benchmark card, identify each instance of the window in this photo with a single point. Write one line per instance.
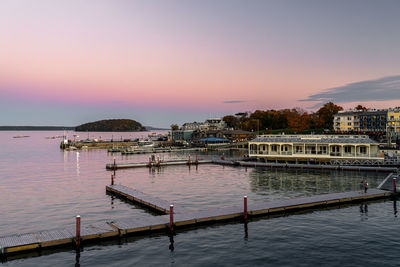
(347, 149)
(299, 149)
(349, 118)
(274, 148)
(349, 124)
(363, 150)
(392, 117)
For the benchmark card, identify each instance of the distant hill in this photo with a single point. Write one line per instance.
(117, 125)
(35, 128)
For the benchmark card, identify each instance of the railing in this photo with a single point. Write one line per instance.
(286, 153)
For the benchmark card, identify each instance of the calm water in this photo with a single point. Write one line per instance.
(42, 187)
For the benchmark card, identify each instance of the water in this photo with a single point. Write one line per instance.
(43, 187)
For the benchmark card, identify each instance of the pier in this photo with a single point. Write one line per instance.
(73, 236)
(157, 163)
(254, 164)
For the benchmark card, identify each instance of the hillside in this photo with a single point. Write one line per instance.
(116, 125)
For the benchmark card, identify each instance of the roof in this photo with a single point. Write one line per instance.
(330, 139)
(214, 139)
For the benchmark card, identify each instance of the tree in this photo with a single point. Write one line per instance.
(325, 115)
(360, 107)
(231, 121)
(174, 127)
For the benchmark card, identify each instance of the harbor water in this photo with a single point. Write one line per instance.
(44, 188)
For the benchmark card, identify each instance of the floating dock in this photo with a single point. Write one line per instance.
(254, 164)
(143, 199)
(21, 243)
(156, 164)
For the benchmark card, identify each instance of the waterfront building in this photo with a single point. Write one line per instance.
(315, 148)
(213, 124)
(181, 135)
(367, 121)
(193, 126)
(347, 121)
(373, 121)
(393, 121)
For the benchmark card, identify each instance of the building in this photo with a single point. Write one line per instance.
(373, 121)
(347, 121)
(393, 121)
(181, 135)
(315, 148)
(366, 121)
(213, 124)
(192, 126)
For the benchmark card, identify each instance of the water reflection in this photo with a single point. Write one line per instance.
(171, 242)
(77, 164)
(246, 231)
(395, 207)
(308, 182)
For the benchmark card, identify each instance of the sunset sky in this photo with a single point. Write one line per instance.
(163, 62)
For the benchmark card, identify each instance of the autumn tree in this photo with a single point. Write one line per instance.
(174, 127)
(325, 115)
(360, 107)
(231, 121)
(298, 120)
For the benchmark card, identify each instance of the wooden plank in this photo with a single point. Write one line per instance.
(18, 243)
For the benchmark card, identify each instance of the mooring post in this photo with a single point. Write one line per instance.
(171, 218)
(245, 208)
(115, 166)
(197, 160)
(149, 162)
(394, 184)
(112, 179)
(158, 162)
(189, 160)
(78, 231)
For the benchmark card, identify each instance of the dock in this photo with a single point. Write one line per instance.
(254, 164)
(156, 164)
(143, 199)
(22, 243)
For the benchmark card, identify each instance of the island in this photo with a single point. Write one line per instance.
(114, 125)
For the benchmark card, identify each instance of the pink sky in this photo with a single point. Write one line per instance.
(190, 55)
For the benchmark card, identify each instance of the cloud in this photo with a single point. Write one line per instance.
(234, 101)
(383, 89)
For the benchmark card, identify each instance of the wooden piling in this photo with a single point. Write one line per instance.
(394, 184)
(245, 208)
(78, 231)
(171, 218)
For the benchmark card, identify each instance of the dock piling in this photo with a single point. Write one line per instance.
(115, 166)
(394, 184)
(149, 162)
(78, 231)
(245, 208)
(112, 179)
(171, 218)
(197, 160)
(189, 160)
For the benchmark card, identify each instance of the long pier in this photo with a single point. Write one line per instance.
(20, 243)
(156, 164)
(254, 164)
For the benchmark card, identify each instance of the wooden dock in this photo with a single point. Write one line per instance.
(143, 199)
(21, 243)
(156, 164)
(254, 164)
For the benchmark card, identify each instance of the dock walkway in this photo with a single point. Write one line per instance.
(155, 164)
(108, 229)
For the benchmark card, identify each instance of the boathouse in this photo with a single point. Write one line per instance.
(316, 148)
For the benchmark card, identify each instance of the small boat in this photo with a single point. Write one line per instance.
(21, 136)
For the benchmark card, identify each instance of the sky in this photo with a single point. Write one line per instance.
(65, 63)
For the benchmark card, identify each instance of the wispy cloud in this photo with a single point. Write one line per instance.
(383, 89)
(234, 101)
